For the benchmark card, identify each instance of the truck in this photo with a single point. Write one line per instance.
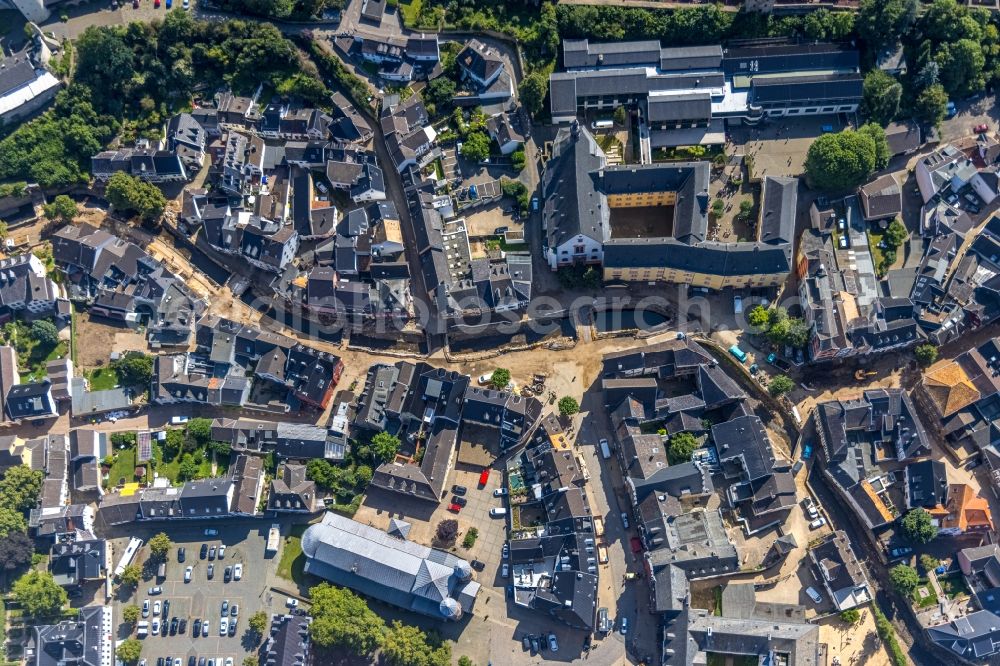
(740, 355)
(598, 526)
(602, 554)
(273, 538)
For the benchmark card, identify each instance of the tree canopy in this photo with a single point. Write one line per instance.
(131, 575)
(133, 196)
(16, 550)
(131, 614)
(532, 92)
(385, 446)
(882, 94)
(931, 105)
(476, 147)
(780, 385)
(881, 23)
(11, 520)
(45, 333)
(129, 650)
(500, 378)
(159, 546)
(61, 208)
(682, 447)
(20, 487)
(343, 619)
(904, 578)
(917, 526)
(134, 369)
(39, 594)
(568, 406)
(406, 645)
(926, 354)
(841, 161)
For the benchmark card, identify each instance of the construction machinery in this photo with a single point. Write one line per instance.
(861, 375)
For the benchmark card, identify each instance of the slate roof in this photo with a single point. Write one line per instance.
(85, 641)
(882, 197)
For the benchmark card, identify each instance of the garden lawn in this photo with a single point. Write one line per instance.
(102, 379)
(124, 467)
(293, 562)
(953, 586)
(924, 602)
(875, 236)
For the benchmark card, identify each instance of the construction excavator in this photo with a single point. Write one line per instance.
(861, 375)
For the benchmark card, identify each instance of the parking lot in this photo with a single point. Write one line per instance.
(202, 598)
(779, 146)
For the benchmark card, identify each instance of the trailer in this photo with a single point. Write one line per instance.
(273, 538)
(598, 526)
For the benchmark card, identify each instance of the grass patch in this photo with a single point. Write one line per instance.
(717, 597)
(953, 586)
(875, 236)
(123, 467)
(513, 246)
(102, 379)
(410, 11)
(924, 602)
(609, 141)
(292, 564)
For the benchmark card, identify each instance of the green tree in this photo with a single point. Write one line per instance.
(130, 614)
(758, 317)
(917, 526)
(258, 623)
(447, 531)
(518, 159)
(61, 208)
(134, 369)
(39, 594)
(780, 385)
(882, 94)
(129, 650)
(188, 468)
(904, 578)
(406, 645)
(929, 562)
(931, 105)
(841, 161)
(45, 333)
(961, 67)
(532, 92)
(718, 207)
(200, 429)
(568, 406)
(877, 135)
(682, 446)
(343, 619)
(385, 446)
(130, 195)
(20, 487)
(746, 207)
(440, 91)
(16, 551)
(131, 575)
(500, 379)
(159, 546)
(476, 147)
(881, 23)
(926, 354)
(11, 521)
(895, 234)
(620, 115)
(250, 661)
(850, 616)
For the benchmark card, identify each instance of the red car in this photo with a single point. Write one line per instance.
(982, 128)
(454, 508)
(484, 476)
(156, 4)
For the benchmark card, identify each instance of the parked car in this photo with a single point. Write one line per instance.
(176, 420)
(187, 574)
(184, 625)
(814, 595)
(625, 519)
(499, 492)
(155, 629)
(553, 643)
(196, 628)
(211, 531)
(227, 575)
(534, 644)
(204, 551)
(211, 553)
(156, 608)
(205, 628)
(478, 565)
(454, 508)
(166, 608)
(173, 625)
(983, 127)
(186, 5)
(498, 512)
(237, 571)
(499, 231)
(225, 607)
(234, 611)
(623, 629)
(526, 642)
(485, 379)
(901, 552)
(223, 626)
(153, 591)
(505, 570)
(181, 554)
(818, 523)
(232, 627)
(292, 603)
(812, 512)
(459, 490)
(145, 608)
(484, 476)
(211, 571)
(461, 501)
(505, 552)
(222, 550)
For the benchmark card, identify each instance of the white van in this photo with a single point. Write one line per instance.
(737, 304)
(498, 512)
(605, 449)
(602, 124)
